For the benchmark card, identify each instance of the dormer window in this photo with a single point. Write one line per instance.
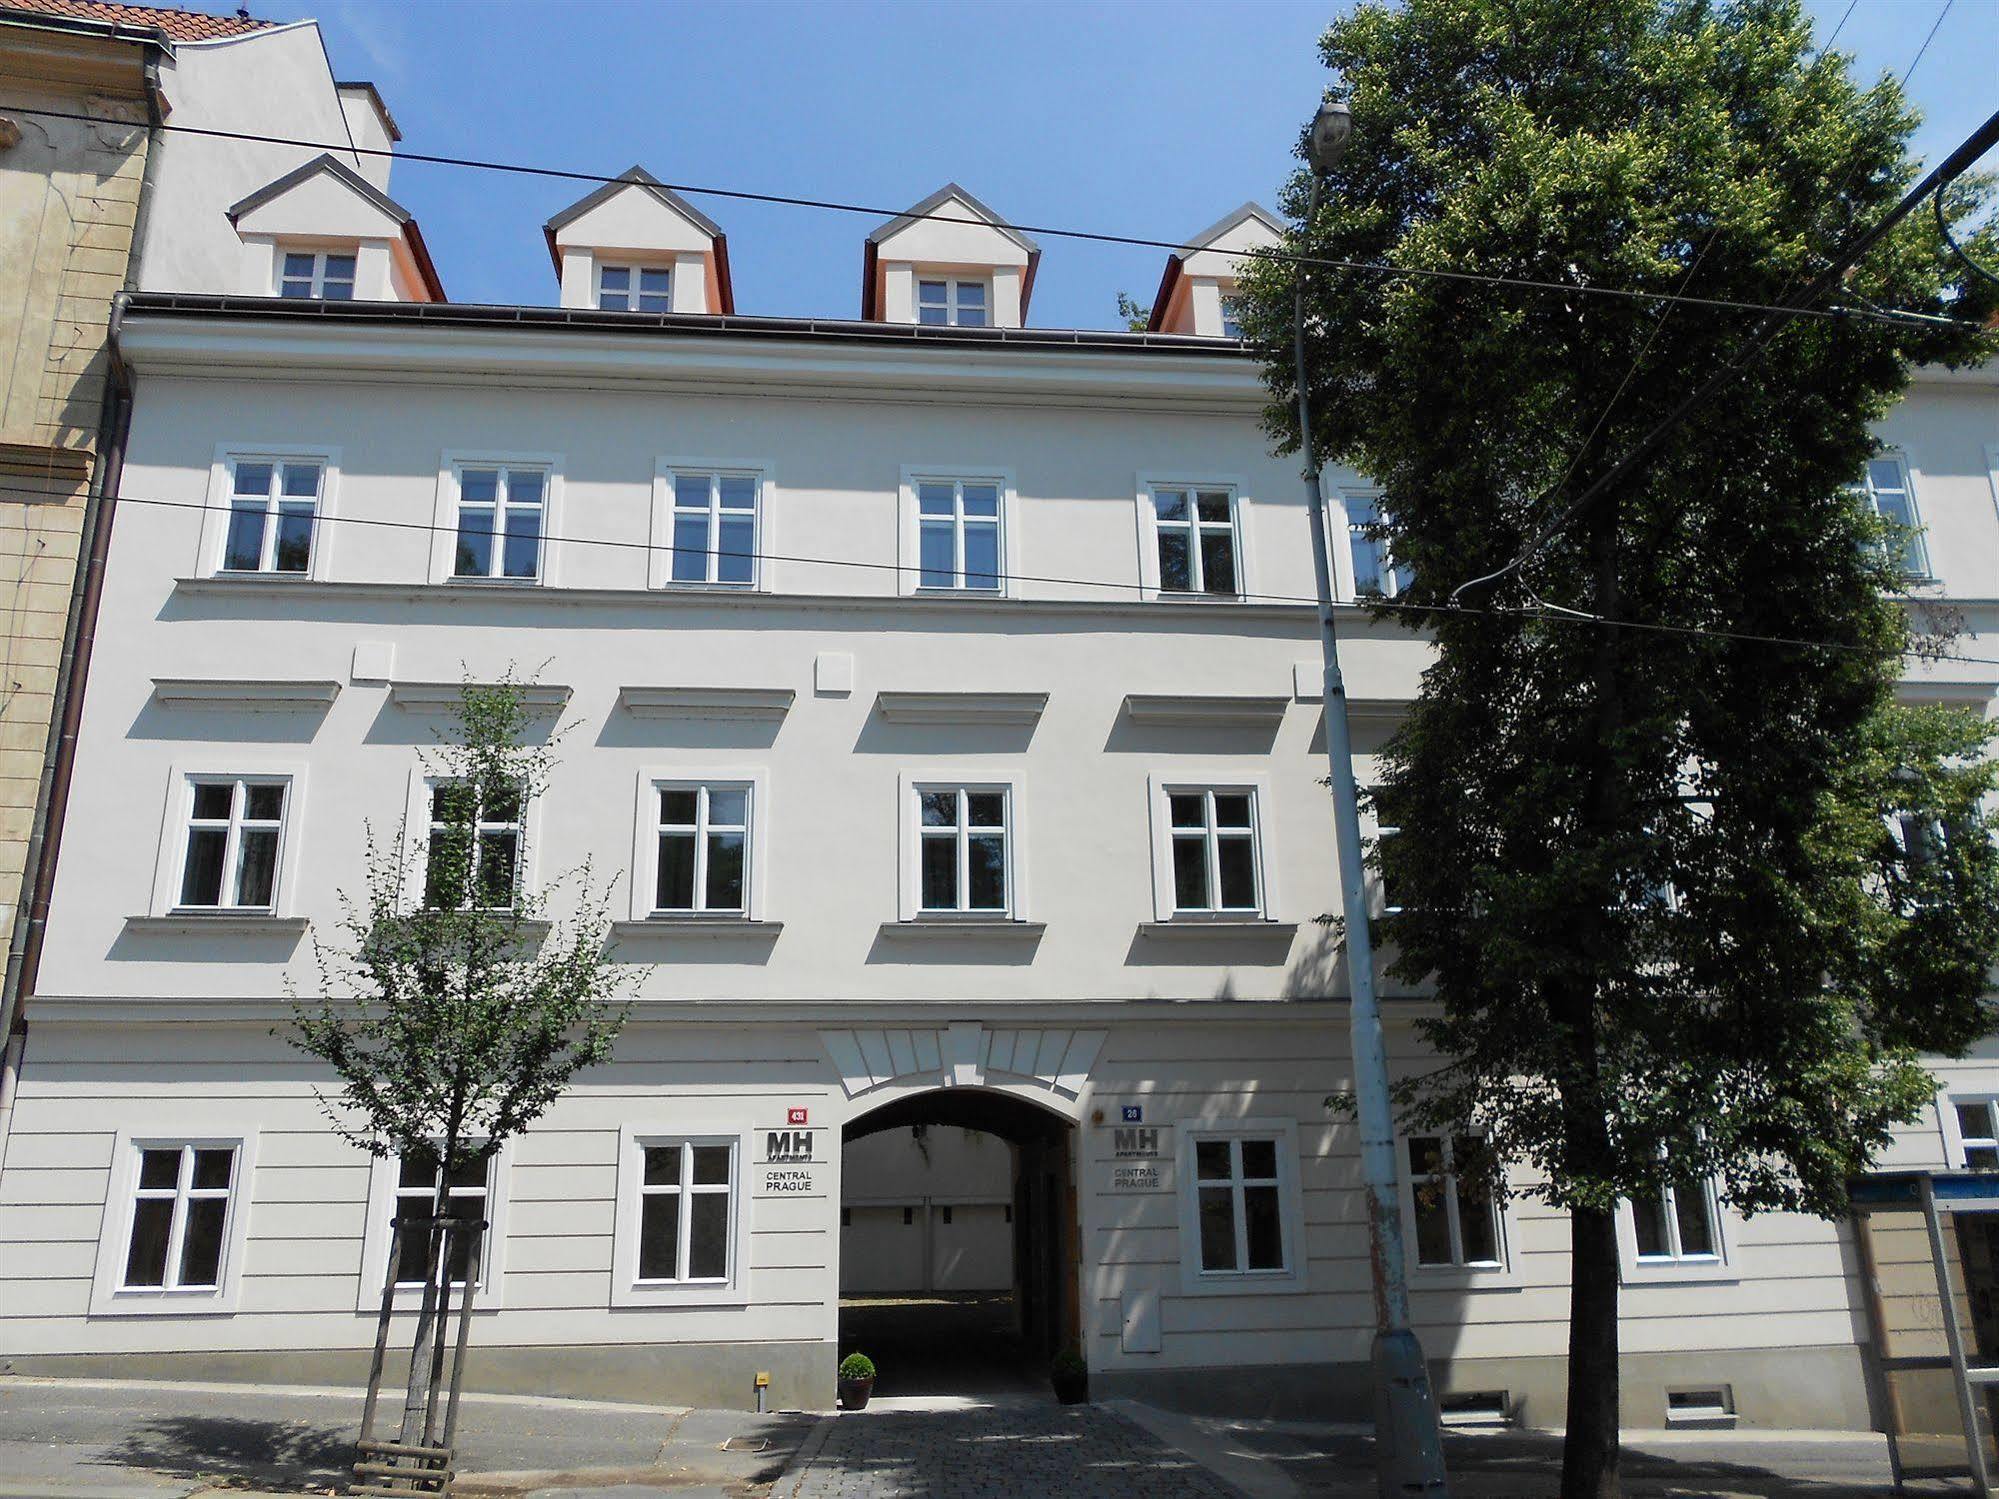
(952, 303)
(1231, 315)
(327, 274)
(634, 288)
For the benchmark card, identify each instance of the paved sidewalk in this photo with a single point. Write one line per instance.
(1005, 1448)
(120, 1439)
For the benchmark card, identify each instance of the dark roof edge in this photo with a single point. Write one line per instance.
(639, 177)
(687, 324)
(326, 161)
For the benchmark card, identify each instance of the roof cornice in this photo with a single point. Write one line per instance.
(205, 335)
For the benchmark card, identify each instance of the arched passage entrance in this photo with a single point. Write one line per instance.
(958, 1241)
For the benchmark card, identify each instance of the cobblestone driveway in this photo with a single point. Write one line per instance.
(1023, 1451)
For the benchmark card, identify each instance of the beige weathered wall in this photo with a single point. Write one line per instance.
(69, 196)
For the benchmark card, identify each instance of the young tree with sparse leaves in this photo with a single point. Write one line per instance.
(1691, 906)
(455, 1012)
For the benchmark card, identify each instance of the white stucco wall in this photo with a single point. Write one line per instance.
(272, 82)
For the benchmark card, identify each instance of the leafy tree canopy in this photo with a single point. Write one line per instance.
(1649, 872)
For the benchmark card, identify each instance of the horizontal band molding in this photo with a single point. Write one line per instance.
(541, 695)
(747, 704)
(1015, 708)
(255, 695)
(1204, 710)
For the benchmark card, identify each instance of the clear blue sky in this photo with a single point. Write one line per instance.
(1151, 119)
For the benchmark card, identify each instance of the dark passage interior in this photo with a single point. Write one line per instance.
(958, 1243)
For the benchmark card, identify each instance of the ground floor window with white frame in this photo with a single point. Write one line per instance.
(1456, 1225)
(1676, 1233)
(682, 1218)
(174, 1225)
(1977, 1121)
(1241, 1207)
(466, 1196)
(407, 1186)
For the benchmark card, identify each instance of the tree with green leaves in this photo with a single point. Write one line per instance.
(454, 1012)
(1692, 901)
(1134, 314)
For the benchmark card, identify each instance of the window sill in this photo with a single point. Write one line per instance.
(1242, 1283)
(1463, 1278)
(1671, 1273)
(143, 1303)
(1219, 928)
(944, 927)
(179, 923)
(454, 580)
(695, 925)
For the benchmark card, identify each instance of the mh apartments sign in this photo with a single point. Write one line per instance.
(1135, 1154)
(790, 1155)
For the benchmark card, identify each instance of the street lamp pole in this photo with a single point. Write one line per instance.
(1407, 1436)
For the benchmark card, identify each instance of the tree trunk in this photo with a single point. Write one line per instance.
(436, 1300)
(1589, 1452)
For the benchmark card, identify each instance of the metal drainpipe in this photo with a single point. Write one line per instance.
(58, 760)
(52, 786)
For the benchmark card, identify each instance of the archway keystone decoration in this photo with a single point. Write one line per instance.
(966, 1054)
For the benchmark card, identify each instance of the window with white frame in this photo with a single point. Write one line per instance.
(472, 856)
(958, 533)
(1977, 1133)
(1231, 315)
(1215, 857)
(1391, 893)
(634, 288)
(963, 850)
(1888, 490)
(1375, 573)
(714, 538)
(1678, 1226)
(273, 506)
(499, 521)
(686, 1211)
(1456, 1224)
(1195, 533)
(234, 838)
(326, 274)
(467, 1195)
(1239, 1205)
(704, 849)
(950, 302)
(181, 1203)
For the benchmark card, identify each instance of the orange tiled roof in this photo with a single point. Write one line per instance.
(176, 25)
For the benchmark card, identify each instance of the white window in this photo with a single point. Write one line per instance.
(469, 1191)
(174, 1224)
(1894, 500)
(499, 522)
(1194, 533)
(1241, 1210)
(703, 858)
(685, 1212)
(328, 274)
(1977, 1133)
(1231, 315)
(180, 1217)
(958, 534)
(945, 301)
(398, 1186)
(232, 849)
(682, 1222)
(1391, 894)
(473, 851)
(962, 850)
(634, 288)
(714, 537)
(1216, 863)
(1375, 573)
(1677, 1226)
(273, 505)
(1455, 1225)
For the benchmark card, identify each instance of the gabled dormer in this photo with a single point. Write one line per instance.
(324, 231)
(1200, 280)
(636, 245)
(949, 261)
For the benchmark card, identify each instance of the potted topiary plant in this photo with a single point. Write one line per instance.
(1071, 1377)
(857, 1381)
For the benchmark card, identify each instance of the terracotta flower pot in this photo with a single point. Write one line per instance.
(854, 1393)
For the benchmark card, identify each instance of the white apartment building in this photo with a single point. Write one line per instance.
(943, 690)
